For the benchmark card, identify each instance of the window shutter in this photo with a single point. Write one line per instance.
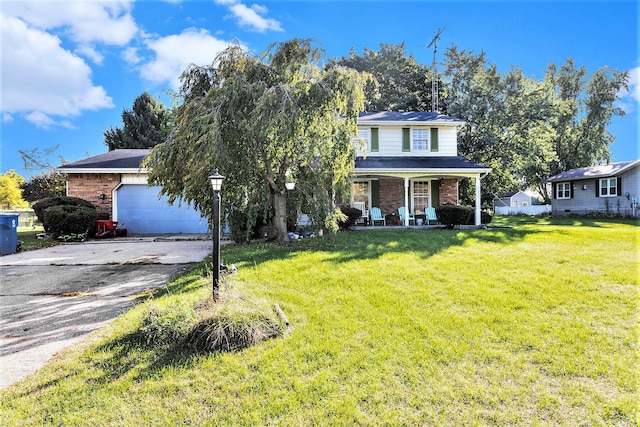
(571, 190)
(434, 139)
(375, 193)
(374, 140)
(619, 186)
(554, 190)
(597, 188)
(406, 139)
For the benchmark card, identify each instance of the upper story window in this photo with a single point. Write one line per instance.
(363, 136)
(420, 138)
(608, 187)
(563, 190)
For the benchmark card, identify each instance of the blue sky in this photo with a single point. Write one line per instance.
(70, 68)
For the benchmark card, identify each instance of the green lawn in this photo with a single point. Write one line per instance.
(29, 240)
(531, 325)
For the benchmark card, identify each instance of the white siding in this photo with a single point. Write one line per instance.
(390, 143)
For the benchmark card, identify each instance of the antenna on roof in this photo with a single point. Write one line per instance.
(434, 71)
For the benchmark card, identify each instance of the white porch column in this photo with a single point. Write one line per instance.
(406, 202)
(478, 217)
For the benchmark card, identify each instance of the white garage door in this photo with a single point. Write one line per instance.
(141, 212)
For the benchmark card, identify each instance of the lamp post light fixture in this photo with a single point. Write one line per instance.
(216, 183)
(289, 185)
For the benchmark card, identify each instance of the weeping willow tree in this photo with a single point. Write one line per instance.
(263, 121)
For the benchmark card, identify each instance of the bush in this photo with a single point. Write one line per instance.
(40, 207)
(169, 325)
(65, 219)
(452, 215)
(352, 215)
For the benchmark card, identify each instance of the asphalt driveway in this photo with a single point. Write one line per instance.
(54, 297)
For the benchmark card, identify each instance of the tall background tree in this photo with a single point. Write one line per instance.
(528, 130)
(263, 121)
(401, 83)
(144, 126)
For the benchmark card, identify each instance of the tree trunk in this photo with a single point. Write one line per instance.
(279, 220)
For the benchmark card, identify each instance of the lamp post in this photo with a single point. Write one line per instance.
(216, 183)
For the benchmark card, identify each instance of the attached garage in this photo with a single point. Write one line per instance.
(138, 209)
(116, 184)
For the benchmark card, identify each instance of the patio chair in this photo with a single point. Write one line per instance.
(365, 214)
(376, 215)
(401, 213)
(430, 214)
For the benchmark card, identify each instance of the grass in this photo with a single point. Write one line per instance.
(531, 325)
(30, 242)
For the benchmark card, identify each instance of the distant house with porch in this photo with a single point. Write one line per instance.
(410, 159)
(606, 189)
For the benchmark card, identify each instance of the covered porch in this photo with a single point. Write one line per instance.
(412, 184)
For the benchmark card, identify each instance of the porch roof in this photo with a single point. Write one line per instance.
(416, 166)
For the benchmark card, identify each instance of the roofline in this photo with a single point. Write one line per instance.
(100, 170)
(601, 175)
(466, 172)
(408, 123)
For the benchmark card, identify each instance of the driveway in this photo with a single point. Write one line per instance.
(54, 297)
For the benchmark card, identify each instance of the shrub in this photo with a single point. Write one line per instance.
(485, 217)
(452, 215)
(40, 207)
(167, 325)
(352, 215)
(232, 333)
(64, 219)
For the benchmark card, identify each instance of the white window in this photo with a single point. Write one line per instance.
(563, 190)
(361, 192)
(363, 137)
(608, 187)
(420, 139)
(420, 195)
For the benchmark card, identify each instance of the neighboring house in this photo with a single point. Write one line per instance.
(607, 189)
(512, 199)
(411, 159)
(117, 186)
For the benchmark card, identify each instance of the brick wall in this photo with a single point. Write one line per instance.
(449, 191)
(391, 195)
(90, 187)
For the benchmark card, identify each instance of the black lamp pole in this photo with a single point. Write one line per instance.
(216, 183)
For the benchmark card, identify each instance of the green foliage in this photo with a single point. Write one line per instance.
(262, 122)
(528, 130)
(39, 187)
(10, 194)
(41, 207)
(352, 215)
(452, 215)
(400, 82)
(144, 126)
(65, 219)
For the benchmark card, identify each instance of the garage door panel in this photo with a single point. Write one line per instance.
(140, 211)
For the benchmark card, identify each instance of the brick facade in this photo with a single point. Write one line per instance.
(392, 193)
(91, 187)
(449, 191)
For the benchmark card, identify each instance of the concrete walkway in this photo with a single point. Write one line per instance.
(54, 297)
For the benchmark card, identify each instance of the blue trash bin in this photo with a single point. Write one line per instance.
(8, 233)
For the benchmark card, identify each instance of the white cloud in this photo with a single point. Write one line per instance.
(174, 53)
(130, 55)
(89, 52)
(629, 99)
(40, 78)
(251, 17)
(7, 118)
(84, 21)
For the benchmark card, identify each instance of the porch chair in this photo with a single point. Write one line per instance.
(401, 213)
(376, 215)
(430, 214)
(365, 214)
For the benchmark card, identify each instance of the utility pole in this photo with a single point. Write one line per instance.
(434, 71)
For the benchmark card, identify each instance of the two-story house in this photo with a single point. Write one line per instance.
(411, 159)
